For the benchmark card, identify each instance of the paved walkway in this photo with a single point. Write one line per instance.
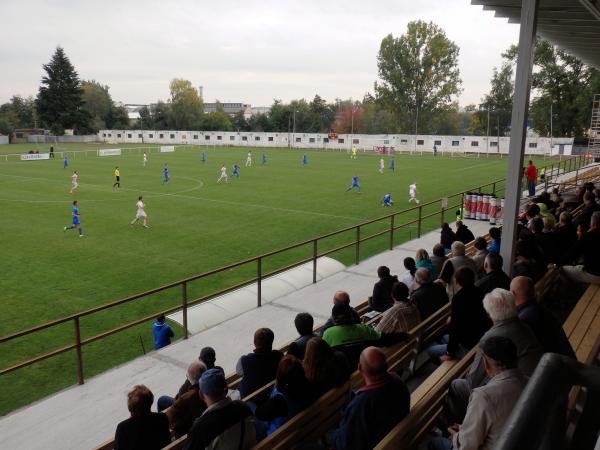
(81, 417)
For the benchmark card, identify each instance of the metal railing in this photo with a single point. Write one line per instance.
(391, 226)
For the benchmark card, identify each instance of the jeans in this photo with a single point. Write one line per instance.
(531, 187)
(439, 443)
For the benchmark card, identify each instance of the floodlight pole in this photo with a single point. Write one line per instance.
(518, 133)
(487, 145)
(294, 129)
(551, 134)
(416, 126)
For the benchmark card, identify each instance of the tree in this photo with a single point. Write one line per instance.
(216, 121)
(98, 104)
(18, 113)
(59, 100)
(118, 118)
(418, 74)
(566, 83)
(498, 102)
(186, 105)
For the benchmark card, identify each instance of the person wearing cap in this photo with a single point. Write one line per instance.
(345, 331)
(375, 409)
(226, 423)
(489, 405)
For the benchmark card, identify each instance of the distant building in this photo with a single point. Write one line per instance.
(20, 135)
(260, 110)
(133, 111)
(230, 109)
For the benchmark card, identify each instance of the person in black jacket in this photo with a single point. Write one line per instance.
(494, 276)
(259, 367)
(545, 326)
(463, 234)
(375, 409)
(589, 208)
(144, 430)
(382, 291)
(468, 319)
(429, 296)
(304, 323)
(586, 248)
(447, 237)
(226, 423)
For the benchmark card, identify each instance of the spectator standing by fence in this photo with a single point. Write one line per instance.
(531, 174)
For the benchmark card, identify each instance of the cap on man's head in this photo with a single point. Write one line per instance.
(213, 384)
(502, 350)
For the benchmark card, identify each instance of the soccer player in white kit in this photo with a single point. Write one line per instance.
(223, 174)
(381, 165)
(412, 193)
(145, 159)
(74, 181)
(141, 213)
(248, 160)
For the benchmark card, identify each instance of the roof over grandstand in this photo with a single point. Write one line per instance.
(573, 25)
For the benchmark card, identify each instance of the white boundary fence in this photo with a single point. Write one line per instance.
(402, 143)
(85, 153)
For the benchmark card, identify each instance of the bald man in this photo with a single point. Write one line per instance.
(376, 408)
(340, 298)
(542, 322)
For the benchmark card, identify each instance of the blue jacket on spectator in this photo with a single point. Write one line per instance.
(162, 334)
(494, 246)
(371, 414)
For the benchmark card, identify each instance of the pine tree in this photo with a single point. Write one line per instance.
(59, 101)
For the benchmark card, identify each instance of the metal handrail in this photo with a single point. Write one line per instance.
(573, 164)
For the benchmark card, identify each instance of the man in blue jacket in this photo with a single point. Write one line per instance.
(376, 408)
(162, 333)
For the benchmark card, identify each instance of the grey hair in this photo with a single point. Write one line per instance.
(595, 220)
(195, 371)
(500, 305)
(422, 276)
(458, 248)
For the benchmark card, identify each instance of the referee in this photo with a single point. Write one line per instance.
(117, 177)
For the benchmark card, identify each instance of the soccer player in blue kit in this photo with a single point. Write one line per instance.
(387, 200)
(203, 157)
(264, 158)
(304, 160)
(354, 184)
(236, 171)
(65, 162)
(165, 174)
(76, 223)
(392, 164)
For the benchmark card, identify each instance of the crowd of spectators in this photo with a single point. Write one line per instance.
(498, 315)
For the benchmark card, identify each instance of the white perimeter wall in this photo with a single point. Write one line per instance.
(400, 142)
(3, 139)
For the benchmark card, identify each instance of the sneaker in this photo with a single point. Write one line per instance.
(146, 226)
(64, 229)
(81, 235)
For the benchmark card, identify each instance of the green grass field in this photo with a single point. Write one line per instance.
(195, 225)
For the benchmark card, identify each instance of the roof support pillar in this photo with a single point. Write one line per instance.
(518, 132)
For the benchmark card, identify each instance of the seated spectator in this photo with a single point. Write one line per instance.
(563, 238)
(481, 252)
(496, 236)
(208, 357)
(423, 262)
(429, 296)
(341, 297)
(585, 216)
(226, 423)
(468, 319)
(501, 308)
(144, 429)
(549, 224)
(188, 406)
(162, 333)
(525, 263)
(375, 409)
(382, 298)
(463, 234)
(324, 367)
(192, 377)
(458, 260)
(447, 237)
(438, 258)
(409, 277)
(403, 316)
(490, 405)
(259, 367)
(304, 323)
(541, 321)
(587, 249)
(345, 331)
(291, 394)
(494, 276)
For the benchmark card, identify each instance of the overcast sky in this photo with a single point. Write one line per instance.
(250, 51)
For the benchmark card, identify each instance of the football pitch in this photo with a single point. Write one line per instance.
(195, 225)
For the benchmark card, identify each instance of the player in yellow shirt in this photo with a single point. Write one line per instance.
(117, 177)
(353, 156)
